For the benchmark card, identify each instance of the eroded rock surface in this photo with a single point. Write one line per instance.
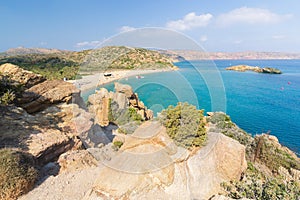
(21, 76)
(47, 93)
(149, 165)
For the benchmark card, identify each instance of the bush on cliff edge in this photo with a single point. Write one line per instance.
(17, 173)
(185, 125)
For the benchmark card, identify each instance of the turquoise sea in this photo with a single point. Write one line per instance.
(255, 102)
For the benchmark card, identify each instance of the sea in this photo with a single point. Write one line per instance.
(257, 103)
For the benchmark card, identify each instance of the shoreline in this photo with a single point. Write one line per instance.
(92, 81)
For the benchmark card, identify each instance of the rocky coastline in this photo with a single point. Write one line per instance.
(112, 148)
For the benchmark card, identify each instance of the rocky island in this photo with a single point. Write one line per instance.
(53, 146)
(243, 68)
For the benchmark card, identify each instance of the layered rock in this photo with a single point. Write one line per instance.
(46, 134)
(20, 76)
(47, 93)
(150, 166)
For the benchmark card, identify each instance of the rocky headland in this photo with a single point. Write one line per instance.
(265, 70)
(113, 148)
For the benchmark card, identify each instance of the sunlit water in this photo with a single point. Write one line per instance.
(255, 102)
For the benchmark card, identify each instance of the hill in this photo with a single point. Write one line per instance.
(57, 64)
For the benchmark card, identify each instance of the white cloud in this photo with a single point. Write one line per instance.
(237, 41)
(88, 44)
(203, 38)
(43, 43)
(126, 28)
(250, 16)
(190, 21)
(278, 37)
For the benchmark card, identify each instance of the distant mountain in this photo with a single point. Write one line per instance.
(201, 55)
(24, 51)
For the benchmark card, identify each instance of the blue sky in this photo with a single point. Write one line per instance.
(252, 25)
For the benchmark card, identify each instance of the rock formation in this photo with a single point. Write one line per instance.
(20, 76)
(243, 68)
(47, 93)
(124, 97)
(150, 166)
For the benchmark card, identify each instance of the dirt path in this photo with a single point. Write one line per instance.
(67, 186)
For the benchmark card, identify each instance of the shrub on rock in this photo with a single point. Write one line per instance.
(17, 173)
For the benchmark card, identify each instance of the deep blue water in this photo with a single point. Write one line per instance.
(255, 102)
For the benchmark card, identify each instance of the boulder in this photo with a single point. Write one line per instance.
(45, 135)
(45, 94)
(150, 166)
(125, 89)
(99, 105)
(76, 160)
(21, 76)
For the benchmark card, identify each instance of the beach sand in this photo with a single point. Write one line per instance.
(92, 81)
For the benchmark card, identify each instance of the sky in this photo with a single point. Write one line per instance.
(225, 26)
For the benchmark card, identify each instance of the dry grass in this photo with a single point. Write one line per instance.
(17, 173)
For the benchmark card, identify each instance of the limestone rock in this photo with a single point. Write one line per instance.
(295, 174)
(285, 173)
(99, 106)
(46, 134)
(47, 93)
(125, 89)
(21, 76)
(150, 166)
(76, 160)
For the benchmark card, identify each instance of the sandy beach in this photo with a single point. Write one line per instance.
(97, 79)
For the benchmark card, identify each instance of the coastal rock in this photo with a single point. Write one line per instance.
(48, 93)
(75, 160)
(125, 89)
(243, 68)
(99, 105)
(104, 103)
(21, 76)
(151, 166)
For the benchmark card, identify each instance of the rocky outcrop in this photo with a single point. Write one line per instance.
(99, 105)
(76, 160)
(46, 134)
(20, 76)
(150, 166)
(124, 98)
(48, 93)
(243, 68)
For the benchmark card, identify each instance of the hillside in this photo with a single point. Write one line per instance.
(57, 64)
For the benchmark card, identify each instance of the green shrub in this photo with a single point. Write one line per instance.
(255, 185)
(17, 173)
(118, 144)
(7, 97)
(134, 115)
(274, 157)
(184, 125)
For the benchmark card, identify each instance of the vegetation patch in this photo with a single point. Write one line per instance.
(17, 173)
(185, 125)
(9, 90)
(255, 185)
(118, 144)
